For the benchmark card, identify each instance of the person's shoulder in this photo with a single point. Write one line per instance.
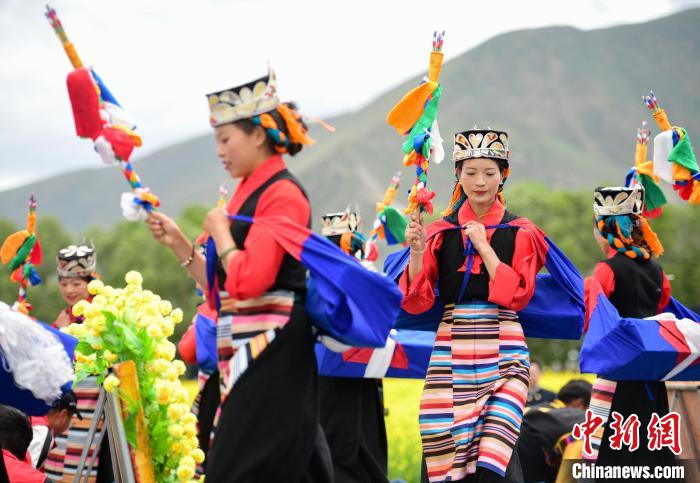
(438, 226)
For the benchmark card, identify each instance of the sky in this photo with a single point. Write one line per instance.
(160, 58)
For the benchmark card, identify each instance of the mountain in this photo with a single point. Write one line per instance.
(570, 99)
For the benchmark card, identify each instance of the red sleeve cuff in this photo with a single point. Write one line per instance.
(419, 295)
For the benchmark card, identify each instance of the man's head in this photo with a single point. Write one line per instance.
(576, 394)
(62, 412)
(15, 431)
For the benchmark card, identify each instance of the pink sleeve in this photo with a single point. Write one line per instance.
(419, 294)
(514, 285)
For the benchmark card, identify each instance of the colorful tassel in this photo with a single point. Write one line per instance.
(21, 251)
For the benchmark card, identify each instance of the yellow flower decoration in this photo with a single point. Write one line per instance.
(198, 456)
(109, 356)
(111, 382)
(79, 307)
(95, 287)
(133, 278)
(144, 321)
(185, 473)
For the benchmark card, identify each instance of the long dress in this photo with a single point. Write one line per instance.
(477, 381)
(267, 426)
(637, 288)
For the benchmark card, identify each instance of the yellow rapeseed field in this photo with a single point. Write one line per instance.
(401, 398)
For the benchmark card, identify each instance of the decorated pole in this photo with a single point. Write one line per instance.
(21, 252)
(674, 159)
(643, 173)
(99, 116)
(415, 116)
(389, 225)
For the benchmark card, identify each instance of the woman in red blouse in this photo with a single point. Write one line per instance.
(76, 267)
(267, 427)
(477, 380)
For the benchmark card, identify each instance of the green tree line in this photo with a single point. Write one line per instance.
(566, 216)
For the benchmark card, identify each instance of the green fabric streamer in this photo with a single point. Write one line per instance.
(682, 153)
(22, 253)
(654, 197)
(425, 122)
(395, 223)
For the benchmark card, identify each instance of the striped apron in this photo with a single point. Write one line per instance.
(245, 329)
(62, 461)
(475, 391)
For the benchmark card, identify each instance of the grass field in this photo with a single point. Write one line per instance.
(401, 398)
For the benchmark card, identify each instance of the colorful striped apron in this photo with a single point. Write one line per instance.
(62, 461)
(475, 391)
(244, 330)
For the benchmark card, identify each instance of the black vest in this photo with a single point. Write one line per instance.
(292, 274)
(637, 286)
(451, 258)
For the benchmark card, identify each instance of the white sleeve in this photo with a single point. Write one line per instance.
(38, 439)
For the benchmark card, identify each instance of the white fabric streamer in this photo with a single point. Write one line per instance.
(131, 210)
(35, 357)
(437, 150)
(663, 144)
(380, 360)
(104, 149)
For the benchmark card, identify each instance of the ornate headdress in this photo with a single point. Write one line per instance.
(618, 211)
(478, 143)
(77, 261)
(244, 101)
(256, 101)
(339, 223)
(618, 200)
(343, 229)
(481, 143)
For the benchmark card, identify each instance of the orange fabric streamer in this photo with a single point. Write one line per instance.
(406, 113)
(129, 385)
(346, 242)
(409, 159)
(695, 195)
(12, 244)
(297, 133)
(651, 238)
(680, 173)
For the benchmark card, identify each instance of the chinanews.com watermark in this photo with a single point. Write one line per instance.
(591, 471)
(663, 432)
